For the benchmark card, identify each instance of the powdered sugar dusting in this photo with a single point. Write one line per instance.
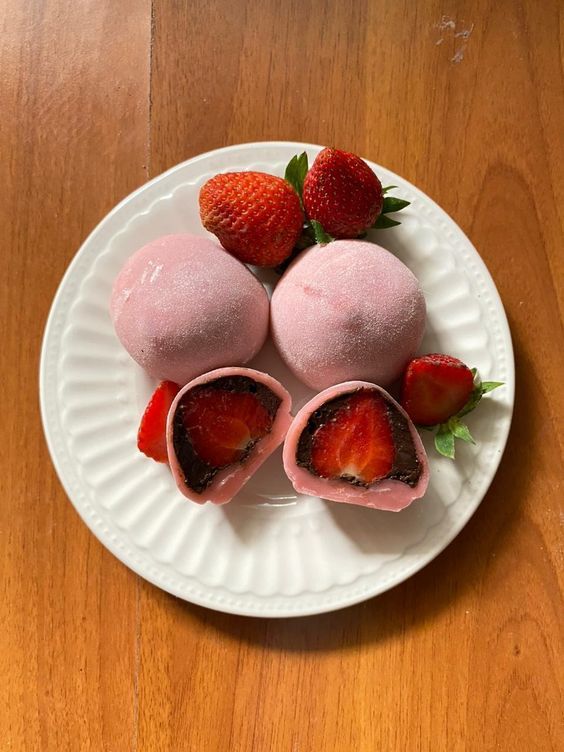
(156, 272)
(349, 310)
(182, 306)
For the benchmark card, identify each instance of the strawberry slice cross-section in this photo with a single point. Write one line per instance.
(221, 427)
(353, 443)
(356, 443)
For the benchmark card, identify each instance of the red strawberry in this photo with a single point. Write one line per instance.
(357, 442)
(342, 193)
(256, 217)
(151, 437)
(224, 425)
(435, 387)
(440, 390)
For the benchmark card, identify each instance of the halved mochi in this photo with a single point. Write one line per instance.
(221, 427)
(353, 443)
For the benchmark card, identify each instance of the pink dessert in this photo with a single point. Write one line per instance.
(347, 310)
(353, 443)
(221, 427)
(181, 306)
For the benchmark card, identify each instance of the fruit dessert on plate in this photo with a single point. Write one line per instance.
(346, 316)
(221, 427)
(353, 443)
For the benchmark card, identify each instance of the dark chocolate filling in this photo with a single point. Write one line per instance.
(406, 467)
(199, 474)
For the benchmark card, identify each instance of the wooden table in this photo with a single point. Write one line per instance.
(465, 99)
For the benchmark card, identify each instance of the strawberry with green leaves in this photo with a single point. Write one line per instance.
(341, 196)
(439, 390)
(342, 193)
(260, 220)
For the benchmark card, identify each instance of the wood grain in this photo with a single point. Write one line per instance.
(73, 140)
(98, 96)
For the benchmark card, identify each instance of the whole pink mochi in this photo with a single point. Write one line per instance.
(181, 306)
(388, 494)
(347, 310)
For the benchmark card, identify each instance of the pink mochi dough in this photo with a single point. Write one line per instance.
(181, 306)
(347, 310)
(230, 480)
(390, 495)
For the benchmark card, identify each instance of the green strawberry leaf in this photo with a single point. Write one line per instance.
(321, 236)
(444, 441)
(455, 428)
(383, 222)
(480, 388)
(489, 386)
(460, 430)
(296, 171)
(388, 188)
(393, 204)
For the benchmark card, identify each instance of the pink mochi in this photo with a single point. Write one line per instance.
(347, 310)
(391, 495)
(230, 480)
(181, 306)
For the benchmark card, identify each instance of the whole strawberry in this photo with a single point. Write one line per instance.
(256, 217)
(342, 193)
(439, 390)
(435, 387)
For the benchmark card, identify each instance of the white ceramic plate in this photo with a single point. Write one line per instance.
(269, 552)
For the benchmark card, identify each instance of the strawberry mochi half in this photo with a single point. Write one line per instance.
(353, 443)
(221, 427)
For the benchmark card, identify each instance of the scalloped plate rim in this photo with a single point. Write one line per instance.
(262, 606)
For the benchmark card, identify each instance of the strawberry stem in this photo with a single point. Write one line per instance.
(319, 233)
